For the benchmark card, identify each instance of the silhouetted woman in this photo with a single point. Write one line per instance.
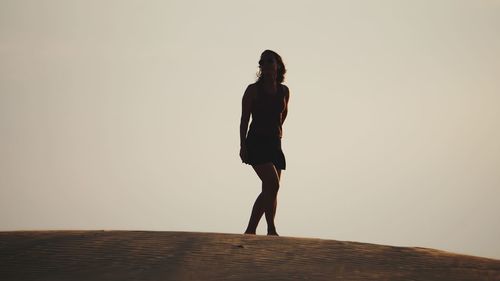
(267, 101)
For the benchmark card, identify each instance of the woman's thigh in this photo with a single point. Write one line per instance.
(268, 173)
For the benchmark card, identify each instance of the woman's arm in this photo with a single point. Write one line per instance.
(246, 107)
(285, 111)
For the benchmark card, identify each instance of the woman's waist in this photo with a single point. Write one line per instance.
(265, 131)
(265, 125)
(264, 135)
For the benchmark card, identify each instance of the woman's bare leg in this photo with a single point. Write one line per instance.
(276, 200)
(257, 212)
(266, 201)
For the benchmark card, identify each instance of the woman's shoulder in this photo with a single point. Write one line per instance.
(251, 91)
(253, 88)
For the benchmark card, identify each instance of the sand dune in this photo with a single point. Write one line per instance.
(159, 255)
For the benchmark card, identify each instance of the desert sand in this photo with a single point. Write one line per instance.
(163, 255)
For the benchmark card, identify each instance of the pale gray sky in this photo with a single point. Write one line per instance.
(125, 115)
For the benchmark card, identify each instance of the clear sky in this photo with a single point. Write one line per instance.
(125, 115)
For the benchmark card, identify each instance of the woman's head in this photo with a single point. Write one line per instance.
(271, 64)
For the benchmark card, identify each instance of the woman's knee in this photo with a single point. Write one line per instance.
(269, 177)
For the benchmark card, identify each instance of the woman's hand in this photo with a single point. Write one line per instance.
(243, 153)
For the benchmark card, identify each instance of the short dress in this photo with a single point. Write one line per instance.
(264, 149)
(263, 142)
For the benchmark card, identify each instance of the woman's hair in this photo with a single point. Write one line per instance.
(280, 77)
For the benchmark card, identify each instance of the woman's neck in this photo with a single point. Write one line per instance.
(269, 81)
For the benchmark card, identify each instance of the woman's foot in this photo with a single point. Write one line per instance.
(272, 231)
(249, 231)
